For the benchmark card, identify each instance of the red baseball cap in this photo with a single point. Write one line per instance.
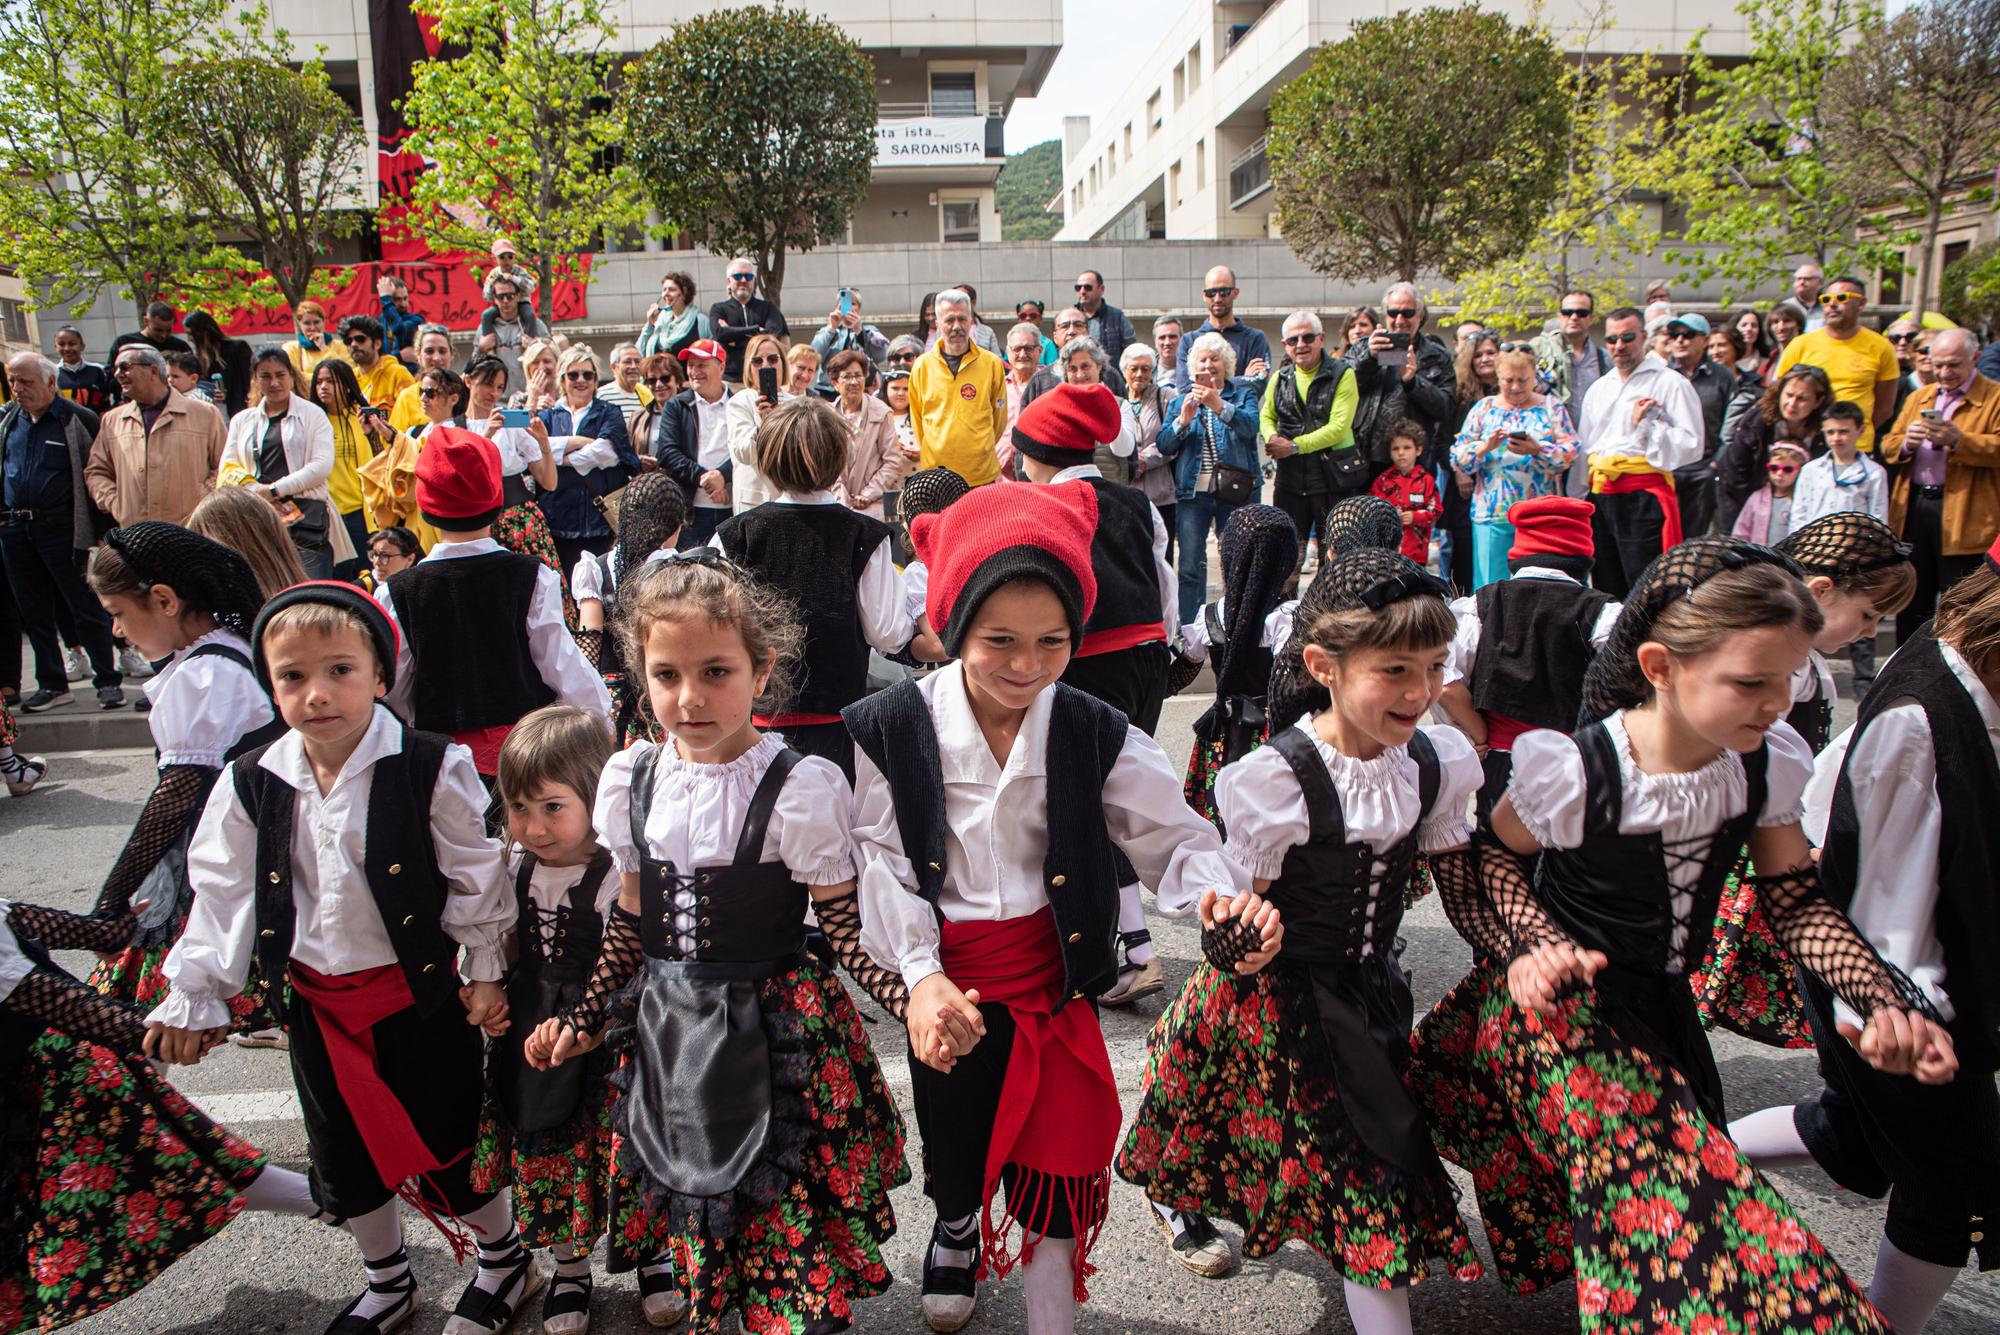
(703, 347)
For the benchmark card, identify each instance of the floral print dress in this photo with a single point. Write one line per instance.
(1501, 477)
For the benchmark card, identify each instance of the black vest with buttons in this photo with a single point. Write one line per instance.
(895, 731)
(1121, 559)
(400, 863)
(1306, 474)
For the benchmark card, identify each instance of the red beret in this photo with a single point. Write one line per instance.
(1063, 426)
(1551, 526)
(458, 479)
(997, 534)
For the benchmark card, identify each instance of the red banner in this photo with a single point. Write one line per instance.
(443, 290)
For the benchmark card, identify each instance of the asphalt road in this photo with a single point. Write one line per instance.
(270, 1275)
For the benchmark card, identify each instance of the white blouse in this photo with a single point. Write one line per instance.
(339, 929)
(997, 831)
(204, 706)
(586, 581)
(1264, 808)
(916, 589)
(549, 887)
(1814, 681)
(1194, 633)
(14, 965)
(1463, 653)
(1548, 795)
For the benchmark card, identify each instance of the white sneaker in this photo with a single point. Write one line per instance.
(133, 663)
(76, 663)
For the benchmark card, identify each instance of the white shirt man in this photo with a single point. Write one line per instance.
(1637, 425)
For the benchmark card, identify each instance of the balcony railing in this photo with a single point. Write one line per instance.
(909, 111)
(1250, 174)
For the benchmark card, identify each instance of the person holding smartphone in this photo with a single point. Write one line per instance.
(283, 446)
(846, 331)
(1515, 445)
(1210, 433)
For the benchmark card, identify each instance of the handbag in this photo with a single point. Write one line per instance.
(607, 506)
(1349, 468)
(1233, 485)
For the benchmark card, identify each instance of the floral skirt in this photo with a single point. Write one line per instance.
(818, 1247)
(1747, 982)
(634, 724)
(1234, 1122)
(9, 734)
(1204, 764)
(523, 528)
(124, 1177)
(1592, 1158)
(135, 976)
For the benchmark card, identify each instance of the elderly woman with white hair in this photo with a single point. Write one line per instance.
(1083, 363)
(1210, 433)
(1146, 401)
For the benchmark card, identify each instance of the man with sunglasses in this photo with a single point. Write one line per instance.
(1401, 372)
(1638, 425)
(506, 325)
(1108, 324)
(1253, 350)
(433, 354)
(1071, 324)
(1308, 426)
(1714, 384)
(741, 315)
(1568, 359)
(1860, 362)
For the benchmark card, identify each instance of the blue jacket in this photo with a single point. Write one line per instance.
(569, 508)
(1235, 435)
(677, 443)
(400, 326)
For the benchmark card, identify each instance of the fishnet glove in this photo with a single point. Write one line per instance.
(177, 799)
(618, 957)
(59, 929)
(63, 1004)
(1229, 945)
(840, 920)
(1824, 940)
(1511, 889)
(1455, 872)
(591, 642)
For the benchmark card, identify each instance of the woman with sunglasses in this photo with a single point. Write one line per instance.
(663, 378)
(1790, 408)
(1859, 362)
(593, 459)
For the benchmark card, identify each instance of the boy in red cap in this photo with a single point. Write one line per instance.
(483, 642)
(990, 882)
(1123, 656)
(1523, 643)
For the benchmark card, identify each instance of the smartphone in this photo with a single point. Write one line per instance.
(1931, 415)
(371, 411)
(515, 417)
(847, 301)
(767, 382)
(1399, 341)
(288, 513)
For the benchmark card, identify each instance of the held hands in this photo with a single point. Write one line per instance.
(1537, 978)
(555, 1041)
(1251, 908)
(486, 1006)
(944, 1022)
(1900, 1042)
(180, 1047)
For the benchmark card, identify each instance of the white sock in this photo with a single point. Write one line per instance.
(379, 1233)
(1132, 918)
(659, 1265)
(280, 1191)
(1175, 1219)
(1049, 1285)
(1906, 1290)
(1377, 1311)
(967, 1228)
(572, 1261)
(499, 1246)
(1769, 1138)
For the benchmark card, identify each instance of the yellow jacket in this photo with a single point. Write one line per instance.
(957, 419)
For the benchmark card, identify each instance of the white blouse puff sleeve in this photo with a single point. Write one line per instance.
(204, 706)
(1264, 808)
(14, 966)
(698, 812)
(550, 886)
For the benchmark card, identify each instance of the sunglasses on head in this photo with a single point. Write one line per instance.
(1838, 298)
(1615, 339)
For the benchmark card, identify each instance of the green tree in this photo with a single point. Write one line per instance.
(1027, 183)
(522, 132)
(272, 153)
(785, 109)
(1918, 116)
(95, 197)
(1772, 195)
(1969, 293)
(1431, 140)
(1620, 155)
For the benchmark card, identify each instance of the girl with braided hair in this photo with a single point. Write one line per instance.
(758, 1142)
(175, 594)
(1570, 1067)
(651, 511)
(1324, 1143)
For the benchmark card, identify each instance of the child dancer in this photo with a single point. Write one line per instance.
(758, 1142)
(1412, 490)
(482, 639)
(385, 1044)
(651, 511)
(1260, 549)
(836, 564)
(1597, 1117)
(1909, 855)
(1523, 643)
(174, 594)
(547, 1134)
(1767, 516)
(1323, 1142)
(995, 895)
(926, 492)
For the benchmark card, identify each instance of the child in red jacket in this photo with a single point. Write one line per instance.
(1413, 491)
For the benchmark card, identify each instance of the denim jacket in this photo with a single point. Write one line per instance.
(1235, 431)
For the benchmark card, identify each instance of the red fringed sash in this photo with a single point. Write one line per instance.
(1057, 1124)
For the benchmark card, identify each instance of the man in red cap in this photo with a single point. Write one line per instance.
(1523, 643)
(483, 639)
(691, 441)
(1124, 654)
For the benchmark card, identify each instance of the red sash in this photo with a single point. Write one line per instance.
(1058, 1119)
(1661, 488)
(1121, 637)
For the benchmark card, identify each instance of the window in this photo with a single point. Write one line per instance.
(954, 93)
(1174, 184)
(1194, 67)
(1153, 114)
(1180, 84)
(960, 218)
(13, 321)
(1200, 164)
(1128, 143)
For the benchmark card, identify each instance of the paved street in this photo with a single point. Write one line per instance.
(281, 1275)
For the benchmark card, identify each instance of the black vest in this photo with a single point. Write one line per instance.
(1534, 647)
(558, 951)
(815, 554)
(1968, 906)
(1305, 474)
(894, 730)
(465, 620)
(1121, 557)
(400, 863)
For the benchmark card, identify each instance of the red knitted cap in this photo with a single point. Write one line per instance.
(1993, 556)
(1551, 526)
(458, 479)
(1063, 426)
(997, 534)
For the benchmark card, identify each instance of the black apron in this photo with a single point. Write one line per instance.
(558, 953)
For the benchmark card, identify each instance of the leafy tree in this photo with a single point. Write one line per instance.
(522, 132)
(1621, 151)
(95, 197)
(270, 152)
(1430, 140)
(1772, 193)
(1027, 183)
(1969, 293)
(783, 110)
(1919, 114)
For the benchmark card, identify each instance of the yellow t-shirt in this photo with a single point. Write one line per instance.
(408, 414)
(305, 359)
(384, 381)
(957, 419)
(352, 447)
(1854, 365)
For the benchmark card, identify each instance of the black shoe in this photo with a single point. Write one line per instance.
(405, 1285)
(566, 1304)
(46, 699)
(949, 1290)
(110, 697)
(480, 1311)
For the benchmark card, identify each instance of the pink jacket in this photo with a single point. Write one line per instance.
(874, 457)
(1754, 523)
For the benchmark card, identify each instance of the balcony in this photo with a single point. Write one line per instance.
(1250, 174)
